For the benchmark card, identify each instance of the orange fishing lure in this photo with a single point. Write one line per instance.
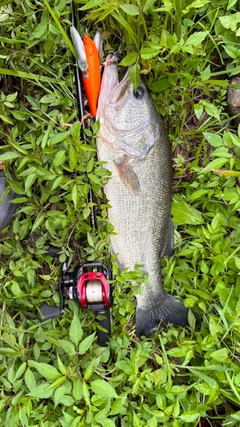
(92, 81)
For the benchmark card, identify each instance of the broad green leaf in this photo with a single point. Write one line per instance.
(57, 383)
(86, 343)
(68, 347)
(148, 5)
(90, 165)
(59, 158)
(235, 139)
(77, 389)
(86, 394)
(214, 139)
(47, 371)
(198, 109)
(30, 380)
(3, 17)
(29, 182)
(7, 351)
(198, 194)
(159, 85)
(59, 137)
(221, 355)
(20, 371)
(206, 74)
(86, 212)
(231, 50)
(89, 370)
(203, 388)
(197, 4)
(118, 406)
(178, 352)
(230, 21)
(51, 339)
(39, 31)
(16, 186)
(183, 213)
(75, 196)
(94, 179)
(86, 147)
(16, 290)
(222, 152)
(5, 119)
(103, 388)
(61, 366)
(72, 157)
(58, 395)
(41, 391)
(129, 9)
(190, 416)
(129, 59)
(196, 38)
(212, 110)
(9, 155)
(109, 423)
(216, 164)
(12, 97)
(68, 400)
(148, 52)
(38, 222)
(231, 3)
(90, 239)
(75, 331)
(135, 75)
(49, 99)
(215, 328)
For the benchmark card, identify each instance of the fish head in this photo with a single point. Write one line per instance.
(128, 119)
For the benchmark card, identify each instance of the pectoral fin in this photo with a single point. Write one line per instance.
(126, 174)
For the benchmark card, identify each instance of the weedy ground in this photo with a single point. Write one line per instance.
(54, 374)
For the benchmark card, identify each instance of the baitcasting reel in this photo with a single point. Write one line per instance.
(89, 285)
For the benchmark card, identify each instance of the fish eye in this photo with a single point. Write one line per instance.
(139, 93)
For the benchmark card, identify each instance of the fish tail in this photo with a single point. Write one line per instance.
(169, 310)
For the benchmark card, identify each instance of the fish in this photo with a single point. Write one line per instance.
(133, 142)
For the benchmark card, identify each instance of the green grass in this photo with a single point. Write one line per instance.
(54, 374)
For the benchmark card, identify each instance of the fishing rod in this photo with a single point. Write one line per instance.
(89, 282)
(81, 115)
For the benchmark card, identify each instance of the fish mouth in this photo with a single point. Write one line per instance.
(121, 89)
(121, 82)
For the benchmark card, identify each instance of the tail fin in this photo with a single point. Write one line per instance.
(171, 310)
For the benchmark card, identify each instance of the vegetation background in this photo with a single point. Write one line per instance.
(54, 373)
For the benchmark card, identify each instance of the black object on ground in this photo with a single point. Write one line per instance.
(7, 209)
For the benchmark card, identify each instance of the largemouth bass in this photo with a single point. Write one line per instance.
(133, 142)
